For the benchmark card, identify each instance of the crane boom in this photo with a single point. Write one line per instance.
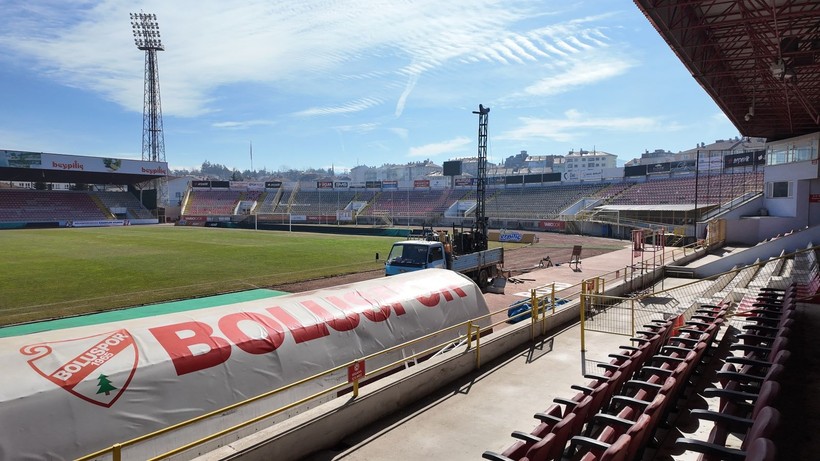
(481, 181)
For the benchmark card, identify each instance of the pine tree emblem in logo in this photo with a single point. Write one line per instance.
(104, 385)
(96, 368)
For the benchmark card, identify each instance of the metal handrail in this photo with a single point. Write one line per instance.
(472, 329)
(716, 276)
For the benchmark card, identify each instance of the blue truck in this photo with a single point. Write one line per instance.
(413, 255)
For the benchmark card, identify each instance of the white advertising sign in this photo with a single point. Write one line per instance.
(510, 236)
(344, 215)
(45, 161)
(592, 174)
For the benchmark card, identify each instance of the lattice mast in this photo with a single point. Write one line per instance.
(481, 181)
(147, 38)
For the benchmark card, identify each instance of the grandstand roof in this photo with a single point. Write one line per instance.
(63, 168)
(757, 58)
(72, 176)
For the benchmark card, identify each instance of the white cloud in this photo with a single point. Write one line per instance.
(347, 108)
(444, 147)
(720, 117)
(411, 83)
(400, 132)
(579, 73)
(307, 46)
(576, 125)
(242, 125)
(359, 128)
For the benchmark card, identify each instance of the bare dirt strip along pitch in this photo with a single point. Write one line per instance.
(517, 261)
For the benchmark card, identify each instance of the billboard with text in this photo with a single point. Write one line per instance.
(46, 161)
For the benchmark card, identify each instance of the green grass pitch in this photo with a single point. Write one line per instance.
(54, 273)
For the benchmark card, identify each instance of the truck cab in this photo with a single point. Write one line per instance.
(413, 255)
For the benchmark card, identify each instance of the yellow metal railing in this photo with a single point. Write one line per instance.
(591, 296)
(473, 332)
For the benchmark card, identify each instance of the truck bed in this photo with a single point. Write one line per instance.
(475, 261)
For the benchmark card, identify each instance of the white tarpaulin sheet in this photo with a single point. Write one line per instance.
(70, 392)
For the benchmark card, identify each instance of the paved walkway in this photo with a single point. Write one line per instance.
(478, 412)
(615, 263)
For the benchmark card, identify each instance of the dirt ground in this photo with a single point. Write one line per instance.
(518, 259)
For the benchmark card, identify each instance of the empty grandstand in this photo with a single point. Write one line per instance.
(45, 190)
(591, 207)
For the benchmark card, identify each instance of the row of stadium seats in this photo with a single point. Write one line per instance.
(538, 202)
(414, 202)
(25, 205)
(520, 202)
(218, 202)
(714, 189)
(622, 406)
(212, 202)
(618, 413)
(114, 200)
(321, 203)
(751, 372)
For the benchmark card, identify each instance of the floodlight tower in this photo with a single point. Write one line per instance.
(146, 37)
(481, 181)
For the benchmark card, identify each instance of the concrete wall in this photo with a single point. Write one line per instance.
(739, 228)
(752, 229)
(789, 243)
(746, 226)
(802, 175)
(770, 228)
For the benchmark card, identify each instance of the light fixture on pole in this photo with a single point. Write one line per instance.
(147, 38)
(778, 68)
(751, 112)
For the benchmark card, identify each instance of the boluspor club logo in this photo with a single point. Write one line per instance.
(96, 368)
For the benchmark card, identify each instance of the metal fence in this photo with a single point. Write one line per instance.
(626, 316)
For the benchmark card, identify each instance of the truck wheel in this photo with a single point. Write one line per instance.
(483, 279)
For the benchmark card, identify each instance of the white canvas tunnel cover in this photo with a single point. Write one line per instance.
(67, 393)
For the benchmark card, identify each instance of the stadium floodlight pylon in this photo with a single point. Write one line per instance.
(147, 38)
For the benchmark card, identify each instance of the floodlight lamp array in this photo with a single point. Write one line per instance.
(146, 31)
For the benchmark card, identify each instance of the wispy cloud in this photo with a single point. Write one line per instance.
(411, 83)
(576, 125)
(579, 74)
(451, 147)
(358, 128)
(400, 132)
(719, 117)
(318, 81)
(347, 108)
(306, 47)
(242, 125)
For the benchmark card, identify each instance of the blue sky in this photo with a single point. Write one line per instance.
(346, 83)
